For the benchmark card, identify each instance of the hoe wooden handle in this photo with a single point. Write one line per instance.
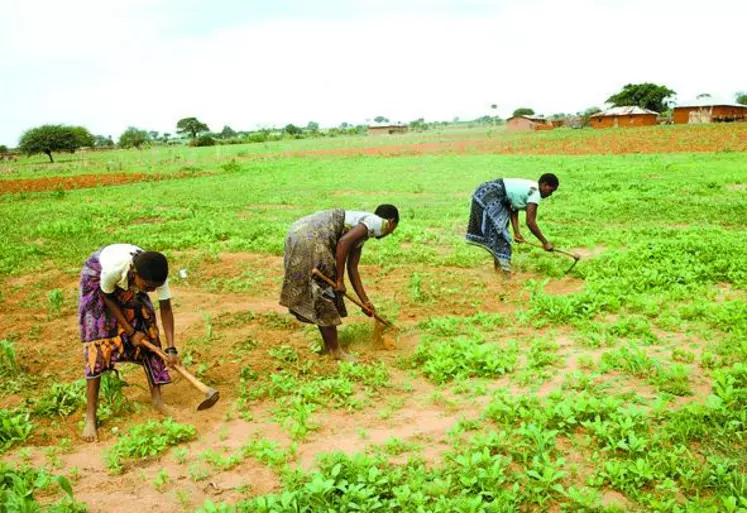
(316, 272)
(199, 385)
(555, 250)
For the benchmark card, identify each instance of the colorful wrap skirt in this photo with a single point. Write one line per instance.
(311, 242)
(104, 341)
(489, 218)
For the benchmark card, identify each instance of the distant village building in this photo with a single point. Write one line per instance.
(11, 155)
(708, 109)
(387, 129)
(526, 123)
(623, 117)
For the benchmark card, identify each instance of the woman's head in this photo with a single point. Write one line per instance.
(391, 214)
(151, 270)
(548, 184)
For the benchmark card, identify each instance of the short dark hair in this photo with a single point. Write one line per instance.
(387, 211)
(151, 266)
(550, 179)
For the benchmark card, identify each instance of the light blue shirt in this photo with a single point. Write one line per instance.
(521, 192)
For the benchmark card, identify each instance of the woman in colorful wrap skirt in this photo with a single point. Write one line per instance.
(497, 202)
(329, 241)
(116, 315)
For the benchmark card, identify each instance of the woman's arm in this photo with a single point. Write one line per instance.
(111, 304)
(167, 320)
(344, 246)
(355, 277)
(532, 224)
(515, 225)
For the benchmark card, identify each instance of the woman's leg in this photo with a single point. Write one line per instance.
(329, 335)
(155, 392)
(503, 265)
(90, 433)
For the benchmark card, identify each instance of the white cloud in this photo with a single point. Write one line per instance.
(109, 67)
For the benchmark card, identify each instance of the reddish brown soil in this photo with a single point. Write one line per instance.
(590, 142)
(53, 183)
(422, 413)
(65, 183)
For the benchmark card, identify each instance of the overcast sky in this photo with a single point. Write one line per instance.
(110, 64)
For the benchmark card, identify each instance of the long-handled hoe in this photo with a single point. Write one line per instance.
(574, 256)
(378, 326)
(211, 394)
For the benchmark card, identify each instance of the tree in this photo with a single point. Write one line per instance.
(741, 98)
(83, 136)
(703, 95)
(292, 129)
(166, 137)
(646, 96)
(524, 111)
(418, 125)
(3, 149)
(381, 119)
(313, 126)
(54, 138)
(103, 142)
(344, 125)
(133, 138)
(227, 132)
(191, 126)
(153, 135)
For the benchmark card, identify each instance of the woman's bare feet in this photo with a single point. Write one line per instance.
(342, 356)
(157, 400)
(90, 434)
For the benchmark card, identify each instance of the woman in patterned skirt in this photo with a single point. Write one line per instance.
(329, 241)
(115, 315)
(499, 201)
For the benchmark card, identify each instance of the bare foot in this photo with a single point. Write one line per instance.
(90, 434)
(160, 407)
(342, 356)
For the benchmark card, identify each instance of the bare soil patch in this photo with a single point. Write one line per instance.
(226, 331)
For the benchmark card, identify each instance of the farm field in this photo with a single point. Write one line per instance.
(621, 386)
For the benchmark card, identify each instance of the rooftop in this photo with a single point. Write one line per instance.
(709, 101)
(630, 110)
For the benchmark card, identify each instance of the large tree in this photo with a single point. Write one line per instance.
(524, 111)
(381, 119)
(103, 142)
(227, 132)
(312, 126)
(741, 98)
(54, 138)
(292, 129)
(646, 96)
(133, 138)
(191, 126)
(84, 137)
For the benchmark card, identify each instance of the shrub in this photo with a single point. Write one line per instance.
(203, 140)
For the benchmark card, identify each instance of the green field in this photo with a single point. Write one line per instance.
(620, 387)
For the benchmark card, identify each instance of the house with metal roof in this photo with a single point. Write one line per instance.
(709, 109)
(387, 128)
(528, 122)
(624, 117)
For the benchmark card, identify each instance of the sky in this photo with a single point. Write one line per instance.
(251, 64)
